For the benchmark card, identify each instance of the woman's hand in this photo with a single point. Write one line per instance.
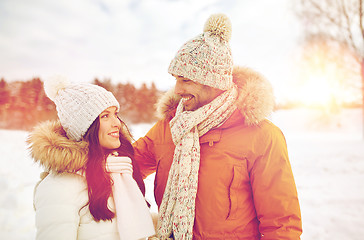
(116, 164)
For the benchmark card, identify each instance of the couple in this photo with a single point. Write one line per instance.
(222, 169)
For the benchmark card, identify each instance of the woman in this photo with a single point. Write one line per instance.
(89, 191)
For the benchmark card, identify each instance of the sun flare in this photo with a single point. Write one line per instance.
(316, 91)
(324, 76)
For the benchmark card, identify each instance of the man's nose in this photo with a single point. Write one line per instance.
(178, 88)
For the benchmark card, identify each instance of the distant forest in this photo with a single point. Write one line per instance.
(23, 104)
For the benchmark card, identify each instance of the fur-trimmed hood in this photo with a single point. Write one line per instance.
(255, 100)
(50, 147)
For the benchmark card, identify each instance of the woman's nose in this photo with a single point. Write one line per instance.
(117, 122)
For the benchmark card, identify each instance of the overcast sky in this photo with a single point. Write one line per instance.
(134, 40)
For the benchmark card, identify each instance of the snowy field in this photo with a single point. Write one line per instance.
(326, 153)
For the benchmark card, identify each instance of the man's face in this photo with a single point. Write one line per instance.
(194, 95)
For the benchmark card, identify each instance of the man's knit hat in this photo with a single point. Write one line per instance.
(207, 59)
(78, 105)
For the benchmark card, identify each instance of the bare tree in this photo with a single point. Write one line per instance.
(338, 21)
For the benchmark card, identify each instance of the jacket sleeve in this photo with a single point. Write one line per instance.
(274, 190)
(144, 151)
(57, 204)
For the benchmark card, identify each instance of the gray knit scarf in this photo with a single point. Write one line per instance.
(177, 211)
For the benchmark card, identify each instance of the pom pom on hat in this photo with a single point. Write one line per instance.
(53, 85)
(219, 25)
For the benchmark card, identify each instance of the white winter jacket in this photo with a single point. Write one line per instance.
(60, 198)
(59, 202)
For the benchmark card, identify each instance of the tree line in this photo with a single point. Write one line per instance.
(23, 104)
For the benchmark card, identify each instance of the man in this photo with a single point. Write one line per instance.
(222, 169)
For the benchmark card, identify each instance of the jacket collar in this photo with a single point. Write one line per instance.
(50, 147)
(255, 100)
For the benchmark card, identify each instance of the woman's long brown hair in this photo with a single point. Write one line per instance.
(99, 181)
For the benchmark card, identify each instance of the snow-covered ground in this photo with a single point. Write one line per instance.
(326, 153)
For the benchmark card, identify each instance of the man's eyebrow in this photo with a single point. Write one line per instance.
(174, 75)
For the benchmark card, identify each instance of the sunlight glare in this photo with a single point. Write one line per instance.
(316, 91)
(324, 75)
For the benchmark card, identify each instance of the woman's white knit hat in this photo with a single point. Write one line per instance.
(78, 105)
(207, 59)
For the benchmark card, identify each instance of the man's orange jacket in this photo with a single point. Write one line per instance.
(246, 188)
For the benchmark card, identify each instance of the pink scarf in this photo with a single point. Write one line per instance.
(132, 214)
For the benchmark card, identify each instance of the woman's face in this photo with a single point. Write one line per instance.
(109, 128)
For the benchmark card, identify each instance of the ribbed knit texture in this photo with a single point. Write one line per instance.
(78, 105)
